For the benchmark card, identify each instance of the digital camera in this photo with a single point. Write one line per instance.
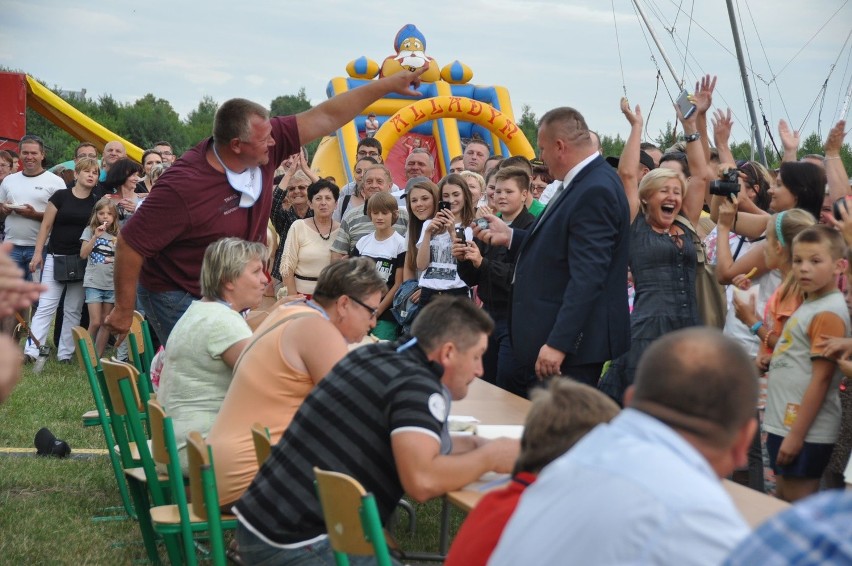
(727, 185)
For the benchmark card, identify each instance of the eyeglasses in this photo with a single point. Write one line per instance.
(166, 153)
(366, 153)
(373, 312)
(5, 165)
(300, 187)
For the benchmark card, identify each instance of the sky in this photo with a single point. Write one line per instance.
(547, 53)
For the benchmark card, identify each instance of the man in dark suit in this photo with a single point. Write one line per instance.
(569, 310)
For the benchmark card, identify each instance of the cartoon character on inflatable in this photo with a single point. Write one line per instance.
(410, 47)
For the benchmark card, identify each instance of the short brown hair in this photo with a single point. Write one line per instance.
(516, 161)
(383, 202)
(518, 174)
(560, 416)
(822, 234)
(81, 145)
(451, 319)
(233, 117)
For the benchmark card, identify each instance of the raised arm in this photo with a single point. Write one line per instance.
(722, 124)
(128, 264)
(838, 180)
(790, 141)
(333, 113)
(628, 163)
(703, 98)
(728, 267)
(696, 192)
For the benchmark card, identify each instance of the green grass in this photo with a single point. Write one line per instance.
(47, 505)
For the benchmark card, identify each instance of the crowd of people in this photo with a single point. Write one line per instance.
(675, 315)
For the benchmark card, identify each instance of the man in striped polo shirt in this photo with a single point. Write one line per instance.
(380, 416)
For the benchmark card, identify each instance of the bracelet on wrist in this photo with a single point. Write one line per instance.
(756, 327)
(832, 157)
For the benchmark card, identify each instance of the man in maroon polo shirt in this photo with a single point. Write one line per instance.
(221, 187)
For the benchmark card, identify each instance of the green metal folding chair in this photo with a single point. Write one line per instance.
(91, 367)
(140, 356)
(351, 518)
(147, 487)
(203, 513)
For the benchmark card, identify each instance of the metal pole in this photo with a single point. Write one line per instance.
(659, 45)
(761, 151)
(845, 109)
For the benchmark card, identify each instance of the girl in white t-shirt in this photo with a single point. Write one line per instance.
(435, 246)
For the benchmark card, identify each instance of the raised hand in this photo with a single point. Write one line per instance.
(407, 82)
(835, 139)
(703, 97)
(727, 214)
(722, 124)
(634, 117)
(789, 138)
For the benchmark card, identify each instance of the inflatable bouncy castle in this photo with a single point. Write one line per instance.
(450, 112)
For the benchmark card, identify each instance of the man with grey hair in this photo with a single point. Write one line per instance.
(356, 223)
(419, 163)
(645, 488)
(221, 187)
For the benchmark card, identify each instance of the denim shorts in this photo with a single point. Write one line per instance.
(99, 296)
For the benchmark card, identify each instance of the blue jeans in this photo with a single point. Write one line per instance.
(22, 255)
(253, 551)
(163, 309)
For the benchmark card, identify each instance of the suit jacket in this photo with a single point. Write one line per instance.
(570, 289)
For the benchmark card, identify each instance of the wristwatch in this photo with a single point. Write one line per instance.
(692, 137)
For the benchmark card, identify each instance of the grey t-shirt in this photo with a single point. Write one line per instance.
(101, 261)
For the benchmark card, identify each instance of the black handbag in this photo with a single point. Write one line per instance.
(68, 268)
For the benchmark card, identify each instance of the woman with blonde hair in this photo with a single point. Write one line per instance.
(476, 184)
(663, 262)
(208, 339)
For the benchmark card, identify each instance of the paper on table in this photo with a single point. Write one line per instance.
(462, 424)
(496, 431)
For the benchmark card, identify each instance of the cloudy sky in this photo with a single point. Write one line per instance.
(546, 52)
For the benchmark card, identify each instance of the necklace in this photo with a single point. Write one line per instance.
(330, 228)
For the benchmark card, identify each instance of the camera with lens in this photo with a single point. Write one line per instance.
(727, 185)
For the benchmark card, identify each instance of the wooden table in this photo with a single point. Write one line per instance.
(492, 405)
